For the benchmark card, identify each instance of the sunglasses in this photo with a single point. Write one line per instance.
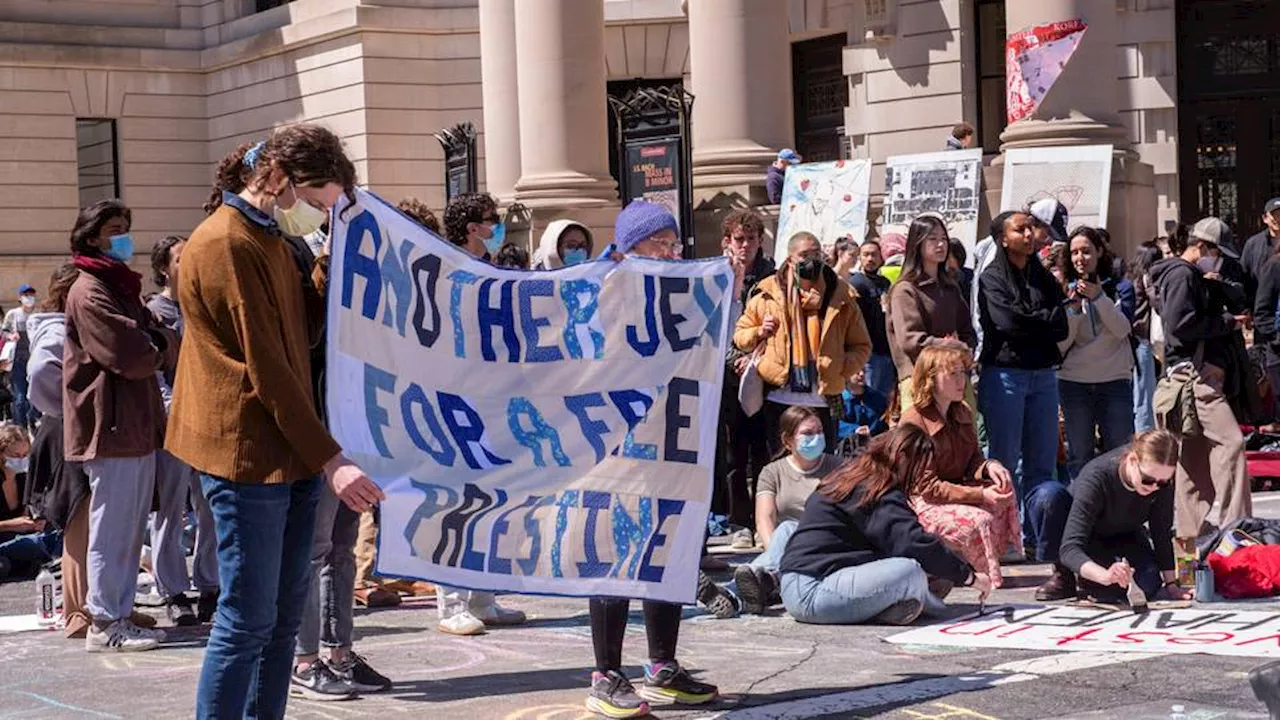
(1154, 482)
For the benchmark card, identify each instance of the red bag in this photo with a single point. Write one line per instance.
(1249, 572)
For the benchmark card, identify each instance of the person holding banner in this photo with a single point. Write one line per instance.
(1023, 314)
(244, 412)
(564, 243)
(1120, 529)
(471, 222)
(813, 335)
(643, 229)
(859, 553)
(926, 305)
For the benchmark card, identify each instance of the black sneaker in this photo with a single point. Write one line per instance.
(715, 599)
(612, 695)
(671, 684)
(178, 608)
(903, 612)
(318, 682)
(356, 672)
(757, 588)
(207, 606)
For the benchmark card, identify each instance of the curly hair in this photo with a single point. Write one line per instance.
(464, 209)
(84, 235)
(421, 214)
(160, 258)
(746, 220)
(59, 285)
(512, 256)
(309, 155)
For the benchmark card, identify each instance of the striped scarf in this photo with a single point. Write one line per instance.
(804, 317)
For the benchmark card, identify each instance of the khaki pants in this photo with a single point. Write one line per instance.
(367, 550)
(1211, 467)
(75, 570)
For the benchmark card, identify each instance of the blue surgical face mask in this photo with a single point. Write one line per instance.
(575, 256)
(121, 247)
(810, 447)
(493, 242)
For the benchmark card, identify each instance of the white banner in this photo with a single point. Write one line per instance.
(1182, 631)
(538, 432)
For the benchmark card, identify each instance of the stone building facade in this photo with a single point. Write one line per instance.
(140, 98)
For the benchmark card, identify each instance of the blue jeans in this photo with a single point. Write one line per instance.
(22, 409)
(1047, 509)
(857, 594)
(771, 558)
(1092, 410)
(881, 374)
(264, 566)
(28, 552)
(1144, 388)
(1021, 412)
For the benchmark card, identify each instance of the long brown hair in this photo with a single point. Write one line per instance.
(59, 285)
(790, 422)
(309, 155)
(893, 461)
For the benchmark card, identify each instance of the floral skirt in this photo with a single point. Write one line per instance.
(974, 532)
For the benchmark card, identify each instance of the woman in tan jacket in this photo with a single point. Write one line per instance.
(811, 336)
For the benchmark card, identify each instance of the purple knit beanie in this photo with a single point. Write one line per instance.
(639, 221)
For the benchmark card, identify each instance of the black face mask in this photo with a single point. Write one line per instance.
(809, 268)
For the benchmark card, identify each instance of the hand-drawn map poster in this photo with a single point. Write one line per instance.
(1079, 177)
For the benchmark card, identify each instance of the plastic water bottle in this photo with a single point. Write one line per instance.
(46, 614)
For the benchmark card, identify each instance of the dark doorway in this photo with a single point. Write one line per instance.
(1228, 109)
(821, 94)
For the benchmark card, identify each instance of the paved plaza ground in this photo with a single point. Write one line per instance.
(766, 667)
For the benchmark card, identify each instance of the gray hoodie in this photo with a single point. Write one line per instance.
(44, 370)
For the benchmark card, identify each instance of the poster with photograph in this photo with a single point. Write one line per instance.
(828, 199)
(948, 183)
(1079, 177)
(653, 170)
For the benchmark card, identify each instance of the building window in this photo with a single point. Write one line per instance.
(264, 5)
(992, 101)
(820, 95)
(97, 163)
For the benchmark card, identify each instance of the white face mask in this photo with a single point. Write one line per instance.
(300, 220)
(28, 301)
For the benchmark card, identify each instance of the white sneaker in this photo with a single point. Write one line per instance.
(464, 623)
(744, 539)
(154, 633)
(495, 615)
(120, 636)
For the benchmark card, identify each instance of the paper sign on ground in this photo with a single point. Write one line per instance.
(538, 432)
(1183, 631)
(828, 199)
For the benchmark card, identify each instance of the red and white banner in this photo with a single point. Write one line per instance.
(1034, 58)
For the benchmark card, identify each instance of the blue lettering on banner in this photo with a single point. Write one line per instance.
(648, 571)
(629, 535)
(354, 263)
(428, 508)
(532, 439)
(713, 310)
(671, 286)
(580, 314)
(593, 430)
(428, 265)
(412, 398)
(497, 563)
(646, 348)
(593, 502)
(459, 278)
(676, 421)
(489, 316)
(532, 326)
(471, 558)
(568, 499)
(626, 401)
(376, 379)
(396, 280)
(467, 428)
(455, 522)
(532, 530)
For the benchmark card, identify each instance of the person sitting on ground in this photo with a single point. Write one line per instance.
(781, 492)
(864, 409)
(1119, 529)
(643, 229)
(964, 498)
(564, 243)
(26, 541)
(859, 552)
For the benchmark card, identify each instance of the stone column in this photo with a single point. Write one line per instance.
(740, 62)
(563, 112)
(501, 98)
(1082, 108)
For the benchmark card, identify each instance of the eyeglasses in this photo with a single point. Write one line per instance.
(492, 220)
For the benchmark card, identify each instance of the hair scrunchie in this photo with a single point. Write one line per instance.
(251, 155)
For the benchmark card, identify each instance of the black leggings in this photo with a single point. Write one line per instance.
(609, 627)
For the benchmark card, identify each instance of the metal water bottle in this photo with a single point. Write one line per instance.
(45, 611)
